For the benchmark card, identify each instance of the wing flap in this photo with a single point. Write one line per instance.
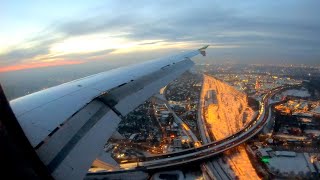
(60, 124)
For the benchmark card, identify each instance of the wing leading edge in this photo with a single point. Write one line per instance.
(69, 124)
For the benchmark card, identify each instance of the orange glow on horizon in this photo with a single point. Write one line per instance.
(38, 65)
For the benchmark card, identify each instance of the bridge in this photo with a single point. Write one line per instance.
(213, 148)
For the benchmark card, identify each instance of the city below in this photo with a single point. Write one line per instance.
(160, 90)
(225, 121)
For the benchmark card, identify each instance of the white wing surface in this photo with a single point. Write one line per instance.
(68, 124)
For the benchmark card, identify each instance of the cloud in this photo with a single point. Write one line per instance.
(34, 46)
(288, 29)
(195, 21)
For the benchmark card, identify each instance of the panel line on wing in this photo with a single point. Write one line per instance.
(54, 163)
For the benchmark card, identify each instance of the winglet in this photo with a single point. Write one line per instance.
(203, 50)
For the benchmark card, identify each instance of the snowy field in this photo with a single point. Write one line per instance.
(316, 110)
(228, 116)
(297, 93)
(289, 165)
(310, 131)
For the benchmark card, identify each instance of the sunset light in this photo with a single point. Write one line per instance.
(90, 43)
(226, 90)
(38, 65)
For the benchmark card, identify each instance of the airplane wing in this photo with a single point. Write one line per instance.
(68, 125)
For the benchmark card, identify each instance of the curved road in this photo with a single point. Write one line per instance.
(210, 149)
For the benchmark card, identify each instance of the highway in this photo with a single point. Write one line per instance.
(211, 149)
(211, 168)
(185, 128)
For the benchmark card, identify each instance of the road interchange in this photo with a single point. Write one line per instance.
(211, 149)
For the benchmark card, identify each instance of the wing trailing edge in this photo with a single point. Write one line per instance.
(67, 125)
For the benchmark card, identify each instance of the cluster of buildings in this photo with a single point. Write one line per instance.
(256, 80)
(183, 97)
(255, 84)
(138, 136)
(289, 164)
(186, 88)
(289, 145)
(289, 149)
(289, 70)
(297, 120)
(174, 139)
(140, 124)
(151, 128)
(299, 107)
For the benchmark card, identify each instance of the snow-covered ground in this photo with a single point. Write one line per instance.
(168, 175)
(232, 111)
(241, 164)
(291, 137)
(316, 110)
(271, 101)
(106, 157)
(297, 93)
(134, 175)
(228, 116)
(315, 132)
(193, 176)
(289, 165)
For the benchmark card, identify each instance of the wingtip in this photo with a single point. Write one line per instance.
(204, 47)
(203, 50)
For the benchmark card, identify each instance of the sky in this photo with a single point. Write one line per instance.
(38, 34)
